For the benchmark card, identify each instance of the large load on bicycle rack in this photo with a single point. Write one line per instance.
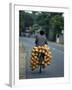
(34, 57)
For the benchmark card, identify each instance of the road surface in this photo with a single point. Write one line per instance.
(56, 69)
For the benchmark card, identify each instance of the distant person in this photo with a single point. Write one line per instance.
(41, 39)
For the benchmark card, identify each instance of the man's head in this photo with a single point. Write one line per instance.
(42, 32)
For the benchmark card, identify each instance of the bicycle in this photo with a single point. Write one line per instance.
(41, 58)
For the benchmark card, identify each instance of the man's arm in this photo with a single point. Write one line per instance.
(36, 40)
(46, 41)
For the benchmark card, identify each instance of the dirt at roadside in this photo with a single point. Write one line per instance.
(21, 63)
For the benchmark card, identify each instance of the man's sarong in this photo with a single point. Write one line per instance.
(34, 57)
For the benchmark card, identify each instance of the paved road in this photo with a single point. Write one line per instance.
(56, 69)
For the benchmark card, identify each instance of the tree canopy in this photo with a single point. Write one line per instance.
(45, 20)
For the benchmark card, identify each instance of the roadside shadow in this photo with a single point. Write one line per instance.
(7, 84)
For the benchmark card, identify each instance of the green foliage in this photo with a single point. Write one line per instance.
(25, 20)
(57, 23)
(21, 21)
(42, 20)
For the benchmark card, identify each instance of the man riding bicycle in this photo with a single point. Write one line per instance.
(41, 55)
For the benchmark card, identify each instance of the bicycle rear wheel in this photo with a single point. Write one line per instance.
(41, 58)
